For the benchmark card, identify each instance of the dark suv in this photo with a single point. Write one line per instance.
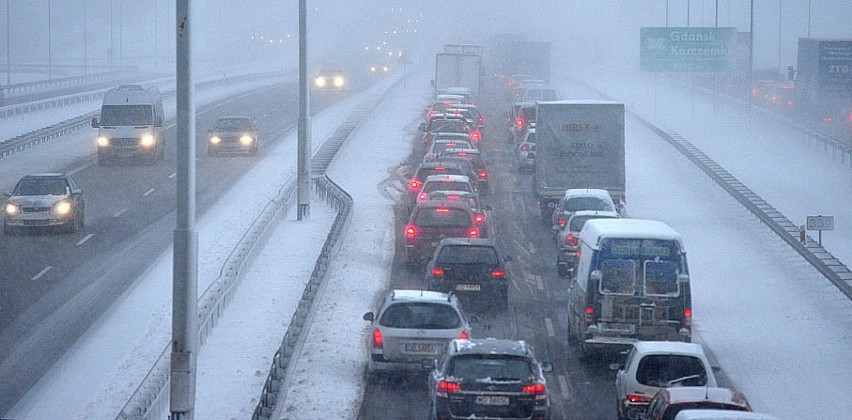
(488, 378)
(431, 221)
(470, 266)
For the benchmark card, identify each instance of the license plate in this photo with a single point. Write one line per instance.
(419, 348)
(492, 400)
(468, 287)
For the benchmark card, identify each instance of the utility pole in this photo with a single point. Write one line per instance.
(688, 10)
(8, 47)
(155, 34)
(303, 160)
(809, 18)
(49, 46)
(85, 41)
(185, 258)
(111, 43)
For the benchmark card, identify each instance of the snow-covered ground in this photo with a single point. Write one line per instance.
(780, 331)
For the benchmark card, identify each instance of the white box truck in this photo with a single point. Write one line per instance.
(458, 70)
(131, 125)
(579, 144)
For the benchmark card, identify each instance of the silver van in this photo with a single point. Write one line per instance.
(631, 283)
(131, 125)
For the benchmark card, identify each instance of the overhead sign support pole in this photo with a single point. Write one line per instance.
(303, 176)
(185, 261)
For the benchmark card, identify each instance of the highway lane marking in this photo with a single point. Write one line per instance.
(532, 248)
(514, 283)
(41, 273)
(119, 213)
(147, 193)
(86, 238)
(539, 283)
(549, 325)
(265, 115)
(174, 174)
(563, 385)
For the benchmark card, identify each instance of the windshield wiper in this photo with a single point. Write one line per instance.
(683, 379)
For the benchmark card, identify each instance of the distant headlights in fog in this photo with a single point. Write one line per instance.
(338, 81)
(320, 82)
(11, 209)
(148, 140)
(103, 141)
(246, 139)
(62, 208)
(215, 140)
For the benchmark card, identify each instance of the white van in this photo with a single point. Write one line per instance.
(130, 125)
(631, 283)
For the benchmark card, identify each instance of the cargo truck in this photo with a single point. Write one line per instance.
(824, 80)
(458, 70)
(579, 144)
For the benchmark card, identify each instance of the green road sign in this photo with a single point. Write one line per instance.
(686, 49)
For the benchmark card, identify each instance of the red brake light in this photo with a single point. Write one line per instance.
(440, 168)
(538, 389)
(442, 210)
(481, 120)
(437, 272)
(378, 341)
(479, 219)
(464, 335)
(453, 197)
(414, 185)
(523, 147)
(410, 231)
(432, 114)
(447, 180)
(498, 273)
(426, 139)
(590, 310)
(483, 174)
(461, 153)
(638, 399)
(562, 222)
(421, 197)
(445, 388)
(571, 240)
(475, 135)
(473, 232)
(519, 122)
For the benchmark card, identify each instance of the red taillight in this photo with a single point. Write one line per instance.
(421, 197)
(437, 272)
(523, 147)
(571, 240)
(410, 231)
(498, 273)
(464, 335)
(481, 120)
(473, 232)
(426, 139)
(414, 185)
(378, 341)
(462, 154)
(562, 222)
(687, 318)
(483, 174)
(638, 399)
(479, 219)
(432, 114)
(590, 310)
(538, 389)
(453, 197)
(445, 388)
(475, 135)
(442, 210)
(519, 122)
(447, 180)
(754, 91)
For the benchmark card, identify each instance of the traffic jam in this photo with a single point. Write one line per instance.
(449, 328)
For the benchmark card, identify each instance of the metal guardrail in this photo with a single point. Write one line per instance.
(43, 135)
(825, 263)
(17, 88)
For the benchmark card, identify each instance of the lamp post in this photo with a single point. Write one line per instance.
(8, 47)
(111, 43)
(303, 159)
(49, 46)
(809, 18)
(85, 41)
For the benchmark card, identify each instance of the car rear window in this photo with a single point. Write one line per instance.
(35, 186)
(446, 186)
(421, 315)
(426, 172)
(587, 203)
(467, 254)
(665, 370)
(454, 126)
(577, 222)
(490, 367)
(441, 217)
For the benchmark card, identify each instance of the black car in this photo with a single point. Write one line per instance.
(488, 378)
(470, 267)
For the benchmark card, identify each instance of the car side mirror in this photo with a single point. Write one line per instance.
(616, 366)
(96, 122)
(716, 369)
(77, 191)
(7, 193)
(422, 127)
(368, 316)
(429, 364)
(546, 367)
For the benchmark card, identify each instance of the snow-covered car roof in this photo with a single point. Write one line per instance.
(588, 192)
(419, 295)
(597, 229)
(445, 178)
(667, 347)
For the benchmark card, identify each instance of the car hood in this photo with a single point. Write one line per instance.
(37, 200)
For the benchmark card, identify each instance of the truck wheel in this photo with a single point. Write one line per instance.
(562, 270)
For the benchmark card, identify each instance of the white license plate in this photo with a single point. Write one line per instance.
(420, 348)
(492, 400)
(468, 287)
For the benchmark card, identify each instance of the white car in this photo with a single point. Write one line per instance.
(653, 365)
(525, 151)
(412, 325)
(580, 199)
(50, 200)
(445, 183)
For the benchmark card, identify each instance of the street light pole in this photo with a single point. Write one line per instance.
(49, 46)
(809, 18)
(688, 10)
(303, 176)
(8, 47)
(85, 41)
(111, 43)
(667, 13)
(155, 34)
(185, 249)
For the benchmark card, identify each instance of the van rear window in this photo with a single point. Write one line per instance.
(656, 263)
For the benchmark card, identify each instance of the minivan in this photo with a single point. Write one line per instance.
(631, 283)
(130, 125)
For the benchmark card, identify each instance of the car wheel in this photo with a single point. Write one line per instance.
(74, 226)
(619, 410)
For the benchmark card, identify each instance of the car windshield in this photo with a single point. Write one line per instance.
(446, 186)
(467, 254)
(441, 217)
(114, 115)
(35, 186)
(665, 370)
(587, 203)
(420, 315)
(232, 124)
(490, 367)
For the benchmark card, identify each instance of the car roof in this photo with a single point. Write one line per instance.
(468, 150)
(442, 177)
(47, 175)
(468, 241)
(234, 117)
(713, 414)
(682, 394)
(436, 162)
(444, 193)
(442, 203)
(491, 346)
(598, 213)
(597, 229)
(666, 347)
(418, 296)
